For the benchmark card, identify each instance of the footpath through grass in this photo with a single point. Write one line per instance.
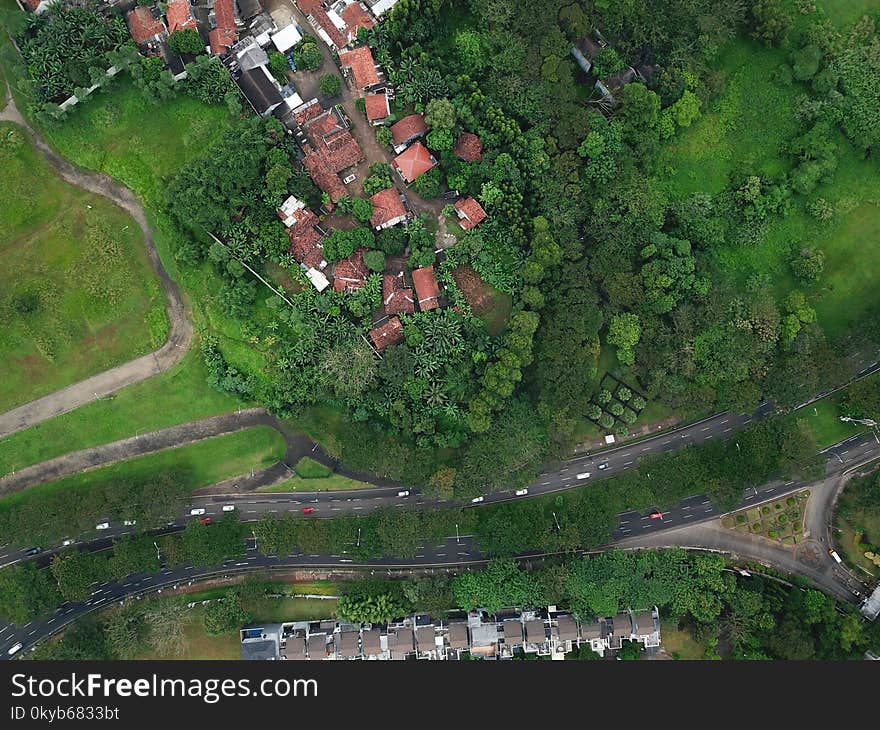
(179, 395)
(77, 292)
(197, 465)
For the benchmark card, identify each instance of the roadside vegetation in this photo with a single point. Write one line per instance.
(77, 292)
(857, 523)
(150, 489)
(310, 476)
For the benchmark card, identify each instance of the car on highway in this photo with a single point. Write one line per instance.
(102, 526)
(129, 523)
(603, 465)
(521, 492)
(195, 511)
(656, 515)
(477, 500)
(308, 510)
(14, 649)
(403, 493)
(229, 508)
(67, 541)
(584, 475)
(205, 520)
(33, 551)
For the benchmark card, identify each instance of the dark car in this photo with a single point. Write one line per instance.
(33, 551)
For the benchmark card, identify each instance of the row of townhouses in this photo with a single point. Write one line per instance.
(547, 633)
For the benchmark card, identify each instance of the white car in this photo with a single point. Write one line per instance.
(521, 492)
(102, 526)
(585, 475)
(229, 508)
(476, 500)
(129, 523)
(67, 542)
(197, 511)
(603, 466)
(14, 648)
(403, 493)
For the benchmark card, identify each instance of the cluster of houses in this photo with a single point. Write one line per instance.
(547, 633)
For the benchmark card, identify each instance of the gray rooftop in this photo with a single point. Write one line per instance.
(484, 635)
(371, 641)
(347, 644)
(425, 638)
(644, 622)
(871, 606)
(261, 649)
(513, 632)
(295, 648)
(317, 646)
(458, 638)
(567, 629)
(535, 633)
(591, 631)
(622, 625)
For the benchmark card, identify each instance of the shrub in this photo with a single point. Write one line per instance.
(427, 185)
(186, 42)
(375, 260)
(740, 518)
(791, 501)
(307, 468)
(362, 209)
(278, 66)
(308, 56)
(629, 417)
(330, 84)
(603, 396)
(616, 408)
(638, 402)
(765, 510)
(606, 421)
(624, 394)
(383, 136)
(594, 412)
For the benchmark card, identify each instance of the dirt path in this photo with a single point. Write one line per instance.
(102, 384)
(297, 446)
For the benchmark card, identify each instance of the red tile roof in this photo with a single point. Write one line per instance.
(387, 206)
(355, 17)
(143, 25)
(472, 211)
(468, 148)
(305, 240)
(179, 16)
(362, 65)
(323, 176)
(387, 334)
(376, 107)
(426, 288)
(225, 34)
(323, 20)
(408, 128)
(310, 112)
(351, 273)
(414, 161)
(397, 297)
(307, 6)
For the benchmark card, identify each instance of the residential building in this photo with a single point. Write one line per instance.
(388, 209)
(355, 16)
(414, 162)
(381, 7)
(145, 25)
(397, 297)
(351, 273)
(410, 128)
(348, 645)
(358, 64)
(427, 291)
(870, 607)
(223, 32)
(248, 9)
(399, 643)
(389, 333)
(468, 147)
(305, 240)
(261, 642)
(329, 146)
(470, 213)
(179, 16)
(377, 108)
(457, 639)
(247, 55)
(260, 89)
(286, 38)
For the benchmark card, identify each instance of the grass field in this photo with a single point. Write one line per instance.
(198, 464)
(679, 643)
(77, 292)
(177, 396)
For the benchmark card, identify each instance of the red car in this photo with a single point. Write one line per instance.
(308, 510)
(205, 520)
(656, 515)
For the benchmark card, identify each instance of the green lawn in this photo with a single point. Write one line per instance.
(176, 396)
(77, 292)
(314, 477)
(199, 464)
(679, 643)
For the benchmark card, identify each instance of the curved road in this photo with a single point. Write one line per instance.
(109, 381)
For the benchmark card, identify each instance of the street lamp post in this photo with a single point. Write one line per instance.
(156, 545)
(359, 537)
(457, 541)
(558, 528)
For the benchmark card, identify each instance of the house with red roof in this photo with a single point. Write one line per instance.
(388, 209)
(356, 17)
(468, 147)
(470, 213)
(409, 128)
(224, 33)
(331, 147)
(144, 26)
(179, 16)
(397, 297)
(351, 274)
(427, 291)
(377, 109)
(390, 333)
(358, 65)
(415, 161)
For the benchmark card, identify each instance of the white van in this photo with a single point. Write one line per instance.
(102, 526)
(14, 648)
(197, 511)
